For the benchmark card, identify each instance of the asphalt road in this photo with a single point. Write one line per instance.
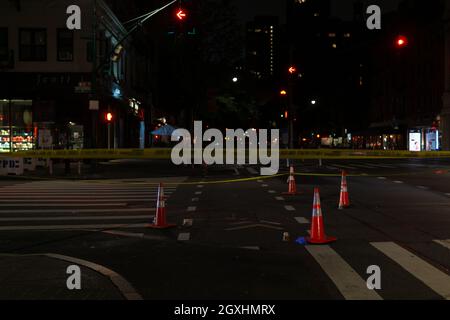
(399, 220)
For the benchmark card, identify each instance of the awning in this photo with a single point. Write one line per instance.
(167, 130)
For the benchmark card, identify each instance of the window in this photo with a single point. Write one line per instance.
(65, 45)
(33, 44)
(4, 56)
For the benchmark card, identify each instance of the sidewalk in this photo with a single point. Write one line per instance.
(43, 278)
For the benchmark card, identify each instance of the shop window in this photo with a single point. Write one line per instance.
(16, 125)
(65, 45)
(33, 44)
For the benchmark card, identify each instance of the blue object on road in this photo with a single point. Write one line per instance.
(167, 130)
(301, 241)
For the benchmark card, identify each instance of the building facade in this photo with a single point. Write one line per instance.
(407, 80)
(56, 85)
(262, 47)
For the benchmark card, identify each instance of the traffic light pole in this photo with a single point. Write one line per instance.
(141, 20)
(291, 102)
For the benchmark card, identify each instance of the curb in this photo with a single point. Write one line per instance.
(125, 288)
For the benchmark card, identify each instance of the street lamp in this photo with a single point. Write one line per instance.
(235, 79)
(313, 102)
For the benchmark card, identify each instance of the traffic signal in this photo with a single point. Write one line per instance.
(292, 70)
(181, 14)
(283, 93)
(109, 117)
(401, 41)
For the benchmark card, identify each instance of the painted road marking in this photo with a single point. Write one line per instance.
(398, 182)
(365, 166)
(251, 170)
(90, 196)
(272, 191)
(264, 185)
(195, 199)
(279, 198)
(124, 234)
(143, 217)
(302, 220)
(422, 187)
(65, 205)
(271, 222)
(447, 194)
(289, 208)
(444, 243)
(75, 227)
(387, 166)
(198, 193)
(434, 278)
(64, 200)
(345, 167)
(346, 279)
(200, 186)
(381, 178)
(250, 226)
(184, 237)
(191, 209)
(250, 248)
(75, 211)
(65, 189)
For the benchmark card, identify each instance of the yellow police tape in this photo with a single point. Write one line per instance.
(304, 174)
(165, 153)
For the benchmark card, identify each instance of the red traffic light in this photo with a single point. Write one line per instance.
(181, 14)
(401, 41)
(109, 117)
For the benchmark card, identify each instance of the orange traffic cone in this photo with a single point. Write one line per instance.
(317, 231)
(160, 221)
(292, 187)
(344, 202)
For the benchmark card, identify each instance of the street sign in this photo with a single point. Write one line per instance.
(94, 105)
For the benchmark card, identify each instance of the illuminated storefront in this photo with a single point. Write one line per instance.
(424, 139)
(16, 126)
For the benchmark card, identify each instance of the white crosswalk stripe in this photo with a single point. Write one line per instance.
(434, 278)
(353, 286)
(346, 279)
(55, 202)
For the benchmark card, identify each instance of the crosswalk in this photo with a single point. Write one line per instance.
(66, 205)
(375, 165)
(401, 270)
(309, 166)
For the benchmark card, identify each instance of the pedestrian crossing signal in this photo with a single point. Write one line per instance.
(109, 117)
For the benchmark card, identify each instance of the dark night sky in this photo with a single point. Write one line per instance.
(341, 8)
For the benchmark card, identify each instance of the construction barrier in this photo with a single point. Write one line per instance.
(166, 154)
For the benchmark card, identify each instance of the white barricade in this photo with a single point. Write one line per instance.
(11, 166)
